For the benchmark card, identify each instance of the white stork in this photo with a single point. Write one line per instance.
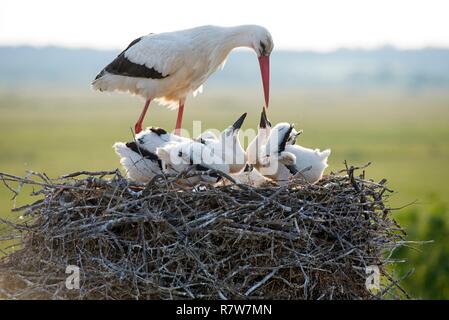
(155, 151)
(139, 158)
(179, 157)
(255, 146)
(249, 176)
(227, 146)
(140, 164)
(168, 66)
(258, 145)
(282, 160)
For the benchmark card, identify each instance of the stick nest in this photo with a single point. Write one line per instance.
(167, 241)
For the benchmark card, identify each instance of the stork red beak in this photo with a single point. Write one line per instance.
(264, 62)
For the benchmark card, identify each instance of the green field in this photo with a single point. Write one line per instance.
(404, 134)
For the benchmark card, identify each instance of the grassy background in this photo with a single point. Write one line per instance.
(405, 135)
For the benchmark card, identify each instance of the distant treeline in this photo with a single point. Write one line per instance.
(383, 67)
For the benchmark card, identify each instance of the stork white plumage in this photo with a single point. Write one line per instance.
(227, 146)
(194, 155)
(250, 176)
(258, 145)
(168, 66)
(155, 151)
(139, 158)
(152, 138)
(283, 160)
(255, 146)
(140, 165)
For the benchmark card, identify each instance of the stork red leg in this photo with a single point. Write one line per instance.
(179, 120)
(138, 125)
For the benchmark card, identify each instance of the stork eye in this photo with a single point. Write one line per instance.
(263, 46)
(180, 154)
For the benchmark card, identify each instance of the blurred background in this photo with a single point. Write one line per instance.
(369, 79)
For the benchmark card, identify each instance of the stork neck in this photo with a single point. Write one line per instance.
(263, 134)
(239, 36)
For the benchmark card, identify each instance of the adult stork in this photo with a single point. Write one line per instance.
(168, 66)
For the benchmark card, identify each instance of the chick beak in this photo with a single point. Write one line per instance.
(263, 119)
(238, 124)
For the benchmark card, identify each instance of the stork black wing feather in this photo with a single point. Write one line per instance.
(285, 139)
(144, 153)
(122, 66)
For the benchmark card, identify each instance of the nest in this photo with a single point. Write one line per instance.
(166, 241)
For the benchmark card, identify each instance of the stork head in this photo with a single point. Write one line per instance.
(293, 135)
(278, 138)
(263, 45)
(264, 122)
(264, 127)
(231, 149)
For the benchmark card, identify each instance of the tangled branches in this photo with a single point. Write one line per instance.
(165, 241)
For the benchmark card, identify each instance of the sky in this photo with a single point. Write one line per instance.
(305, 25)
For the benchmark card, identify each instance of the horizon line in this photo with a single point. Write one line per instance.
(385, 46)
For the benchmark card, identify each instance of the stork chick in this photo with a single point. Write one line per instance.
(249, 176)
(140, 164)
(139, 158)
(192, 155)
(282, 161)
(227, 146)
(257, 146)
